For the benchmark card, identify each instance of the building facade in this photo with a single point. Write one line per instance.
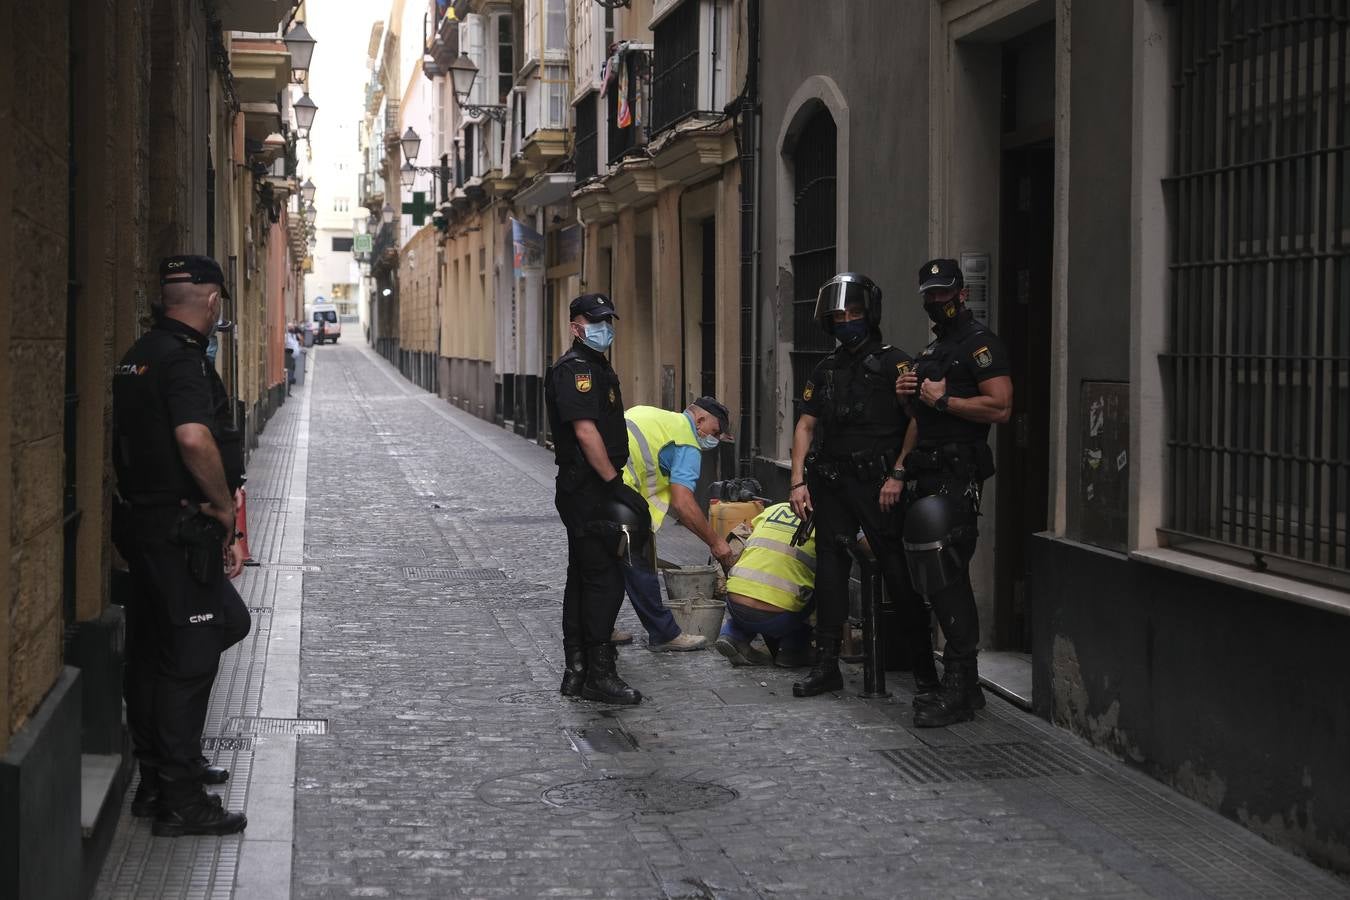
(131, 131)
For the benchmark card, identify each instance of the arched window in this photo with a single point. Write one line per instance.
(813, 239)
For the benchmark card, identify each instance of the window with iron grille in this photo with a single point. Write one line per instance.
(675, 67)
(813, 241)
(470, 151)
(626, 101)
(588, 136)
(1258, 358)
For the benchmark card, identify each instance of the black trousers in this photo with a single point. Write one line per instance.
(594, 590)
(843, 506)
(954, 605)
(173, 652)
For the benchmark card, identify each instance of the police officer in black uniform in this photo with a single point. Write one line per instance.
(959, 387)
(852, 416)
(178, 464)
(603, 516)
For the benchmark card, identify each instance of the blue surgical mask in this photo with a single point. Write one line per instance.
(708, 441)
(598, 336)
(212, 345)
(851, 333)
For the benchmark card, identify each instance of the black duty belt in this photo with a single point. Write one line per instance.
(865, 465)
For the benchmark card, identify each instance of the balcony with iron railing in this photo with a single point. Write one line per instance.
(628, 102)
(675, 68)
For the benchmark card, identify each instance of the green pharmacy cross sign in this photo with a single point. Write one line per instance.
(418, 208)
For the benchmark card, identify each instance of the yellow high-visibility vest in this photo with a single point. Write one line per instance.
(771, 569)
(651, 430)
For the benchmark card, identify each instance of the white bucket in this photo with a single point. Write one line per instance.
(694, 601)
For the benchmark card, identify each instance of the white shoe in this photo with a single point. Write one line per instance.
(680, 642)
(620, 637)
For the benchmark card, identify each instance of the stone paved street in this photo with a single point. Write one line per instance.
(450, 767)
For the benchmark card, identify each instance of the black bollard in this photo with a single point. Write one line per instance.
(874, 651)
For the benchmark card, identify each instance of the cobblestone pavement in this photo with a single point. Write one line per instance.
(451, 767)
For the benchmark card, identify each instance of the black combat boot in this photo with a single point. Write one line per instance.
(145, 802)
(824, 675)
(574, 676)
(974, 693)
(603, 683)
(951, 704)
(926, 683)
(212, 774)
(187, 809)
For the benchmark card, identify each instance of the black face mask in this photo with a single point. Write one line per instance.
(853, 333)
(941, 313)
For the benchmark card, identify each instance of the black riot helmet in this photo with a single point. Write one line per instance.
(844, 290)
(627, 533)
(933, 525)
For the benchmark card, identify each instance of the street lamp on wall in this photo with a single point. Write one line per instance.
(407, 175)
(412, 143)
(307, 191)
(462, 75)
(305, 109)
(388, 214)
(300, 45)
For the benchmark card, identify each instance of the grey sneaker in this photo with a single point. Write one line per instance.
(620, 637)
(680, 642)
(739, 653)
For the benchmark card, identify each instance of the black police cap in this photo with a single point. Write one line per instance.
(940, 273)
(593, 306)
(192, 270)
(719, 410)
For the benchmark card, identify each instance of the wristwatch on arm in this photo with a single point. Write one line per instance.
(898, 474)
(940, 404)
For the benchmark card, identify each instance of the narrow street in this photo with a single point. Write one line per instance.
(426, 608)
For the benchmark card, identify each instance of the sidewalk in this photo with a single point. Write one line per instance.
(438, 760)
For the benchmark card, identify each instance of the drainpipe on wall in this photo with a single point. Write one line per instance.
(748, 142)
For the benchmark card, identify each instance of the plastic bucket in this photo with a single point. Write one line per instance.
(694, 601)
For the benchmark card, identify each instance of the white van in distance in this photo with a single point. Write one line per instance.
(326, 324)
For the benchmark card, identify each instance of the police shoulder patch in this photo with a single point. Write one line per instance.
(583, 382)
(808, 391)
(983, 358)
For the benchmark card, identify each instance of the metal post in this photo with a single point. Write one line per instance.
(874, 649)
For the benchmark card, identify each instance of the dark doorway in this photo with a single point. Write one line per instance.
(1026, 244)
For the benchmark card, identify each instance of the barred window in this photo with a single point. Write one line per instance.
(675, 68)
(813, 241)
(1258, 359)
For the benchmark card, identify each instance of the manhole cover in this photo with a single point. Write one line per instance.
(627, 793)
(432, 573)
(977, 762)
(264, 725)
(226, 744)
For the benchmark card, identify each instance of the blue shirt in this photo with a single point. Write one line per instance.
(682, 464)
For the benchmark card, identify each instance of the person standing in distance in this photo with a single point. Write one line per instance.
(178, 466)
(853, 480)
(958, 388)
(590, 439)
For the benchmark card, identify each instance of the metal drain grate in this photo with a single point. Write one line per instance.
(433, 573)
(599, 739)
(977, 762)
(264, 725)
(226, 744)
(290, 567)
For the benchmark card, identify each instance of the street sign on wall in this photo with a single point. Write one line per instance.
(362, 243)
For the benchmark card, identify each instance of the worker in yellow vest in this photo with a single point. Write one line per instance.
(665, 458)
(769, 592)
